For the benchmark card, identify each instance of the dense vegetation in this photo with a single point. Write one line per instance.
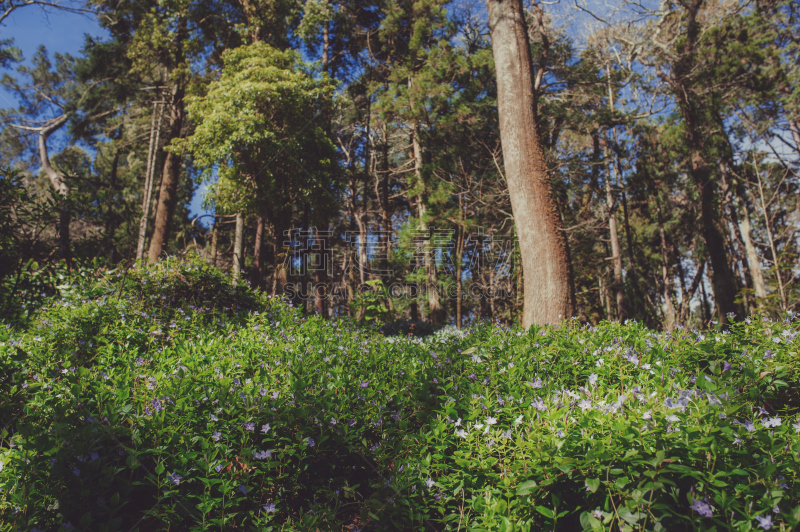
(669, 134)
(166, 398)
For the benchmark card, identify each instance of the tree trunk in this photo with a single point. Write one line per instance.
(147, 196)
(259, 244)
(238, 243)
(168, 194)
(549, 287)
(59, 182)
(109, 228)
(752, 255)
(669, 309)
(321, 277)
(616, 252)
(724, 283)
(214, 241)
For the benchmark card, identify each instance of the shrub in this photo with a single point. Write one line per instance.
(225, 410)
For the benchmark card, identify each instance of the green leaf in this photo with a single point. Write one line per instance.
(545, 512)
(593, 484)
(526, 488)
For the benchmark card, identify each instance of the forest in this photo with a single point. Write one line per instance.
(667, 143)
(395, 265)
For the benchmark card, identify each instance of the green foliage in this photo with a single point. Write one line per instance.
(256, 126)
(167, 397)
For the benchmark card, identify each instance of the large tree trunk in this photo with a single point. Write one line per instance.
(549, 287)
(168, 194)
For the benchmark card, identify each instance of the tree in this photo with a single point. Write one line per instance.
(256, 125)
(546, 266)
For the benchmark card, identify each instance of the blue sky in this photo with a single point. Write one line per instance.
(61, 32)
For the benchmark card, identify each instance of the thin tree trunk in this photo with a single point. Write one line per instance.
(549, 287)
(238, 243)
(768, 229)
(109, 221)
(147, 196)
(257, 251)
(669, 309)
(59, 182)
(168, 194)
(752, 255)
(616, 253)
(214, 241)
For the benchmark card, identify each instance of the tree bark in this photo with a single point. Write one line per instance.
(147, 199)
(616, 250)
(59, 182)
(548, 281)
(255, 281)
(752, 255)
(669, 309)
(168, 193)
(238, 244)
(214, 241)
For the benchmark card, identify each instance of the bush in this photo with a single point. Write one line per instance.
(184, 403)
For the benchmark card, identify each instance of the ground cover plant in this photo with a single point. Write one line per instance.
(164, 398)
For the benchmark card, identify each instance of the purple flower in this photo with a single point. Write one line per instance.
(216, 435)
(764, 522)
(76, 471)
(726, 366)
(265, 428)
(702, 508)
(243, 489)
(269, 507)
(310, 442)
(218, 468)
(364, 384)
(250, 426)
(174, 479)
(157, 405)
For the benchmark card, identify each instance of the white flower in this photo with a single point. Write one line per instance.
(672, 418)
(593, 376)
(599, 362)
(478, 426)
(772, 422)
(491, 421)
(646, 366)
(476, 359)
(585, 405)
(518, 420)
(647, 415)
(429, 483)
(461, 433)
(458, 422)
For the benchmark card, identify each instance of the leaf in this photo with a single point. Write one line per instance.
(593, 484)
(526, 488)
(547, 512)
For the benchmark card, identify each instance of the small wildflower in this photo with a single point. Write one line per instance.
(174, 479)
(764, 522)
(702, 508)
(269, 507)
(216, 435)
